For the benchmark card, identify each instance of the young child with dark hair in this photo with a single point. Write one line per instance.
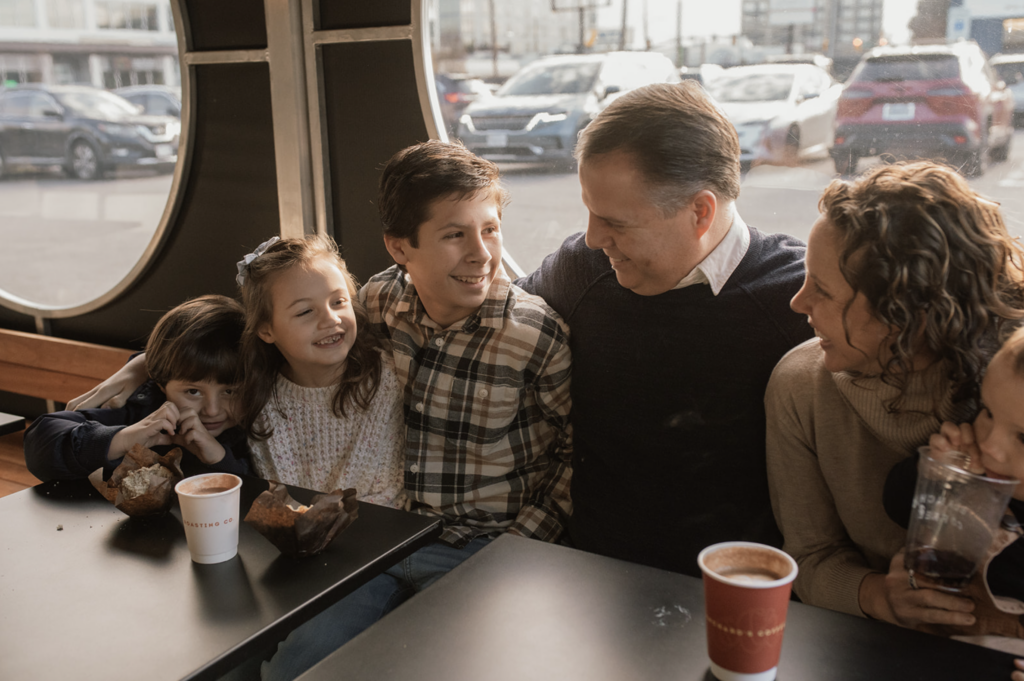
(189, 401)
(994, 605)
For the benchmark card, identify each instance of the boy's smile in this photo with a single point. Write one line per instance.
(458, 254)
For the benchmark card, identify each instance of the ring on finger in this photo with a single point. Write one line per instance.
(912, 581)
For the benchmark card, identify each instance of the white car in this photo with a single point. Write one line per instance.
(1010, 68)
(783, 113)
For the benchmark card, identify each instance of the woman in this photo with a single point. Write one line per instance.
(911, 280)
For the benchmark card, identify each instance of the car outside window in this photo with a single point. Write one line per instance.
(15, 104)
(1010, 73)
(754, 87)
(39, 104)
(159, 105)
(97, 105)
(812, 86)
(973, 73)
(918, 67)
(553, 79)
(628, 75)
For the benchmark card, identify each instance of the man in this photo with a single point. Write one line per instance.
(678, 313)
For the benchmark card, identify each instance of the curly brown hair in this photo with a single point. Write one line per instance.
(263, 361)
(936, 264)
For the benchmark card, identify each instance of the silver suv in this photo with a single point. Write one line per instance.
(538, 113)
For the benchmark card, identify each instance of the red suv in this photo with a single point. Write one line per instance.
(932, 101)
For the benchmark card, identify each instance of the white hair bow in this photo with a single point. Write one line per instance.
(243, 264)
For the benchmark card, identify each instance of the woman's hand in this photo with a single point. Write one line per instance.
(193, 436)
(1019, 674)
(891, 598)
(115, 391)
(156, 429)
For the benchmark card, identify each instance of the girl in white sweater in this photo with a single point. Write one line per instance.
(320, 401)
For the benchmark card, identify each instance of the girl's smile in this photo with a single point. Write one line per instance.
(313, 324)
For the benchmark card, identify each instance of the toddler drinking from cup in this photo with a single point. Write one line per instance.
(995, 445)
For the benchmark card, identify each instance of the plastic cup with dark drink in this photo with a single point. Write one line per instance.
(746, 598)
(953, 520)
(209, 512)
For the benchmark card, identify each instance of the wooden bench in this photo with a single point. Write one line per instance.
(48, 368)
(54, 369)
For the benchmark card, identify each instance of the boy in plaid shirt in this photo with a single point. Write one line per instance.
(485, 367)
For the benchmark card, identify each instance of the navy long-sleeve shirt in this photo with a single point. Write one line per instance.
(668, 401)
(70, 445)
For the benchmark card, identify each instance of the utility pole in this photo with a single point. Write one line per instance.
(679, 34)
(622, 35)
(832, 27)
(583, 21)
(647, 34)
(494, 42)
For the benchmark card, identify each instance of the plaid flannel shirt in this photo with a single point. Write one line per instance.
(487, 409)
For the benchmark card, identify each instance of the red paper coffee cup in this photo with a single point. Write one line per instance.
(746, 596)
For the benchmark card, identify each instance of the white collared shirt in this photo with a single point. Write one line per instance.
(721, 262)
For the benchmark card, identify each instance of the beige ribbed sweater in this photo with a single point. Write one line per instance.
(830, 446)
(313, 448)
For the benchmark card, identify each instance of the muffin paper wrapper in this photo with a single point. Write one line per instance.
(306, 532)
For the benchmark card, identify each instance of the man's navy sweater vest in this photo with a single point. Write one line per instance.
(668, 401)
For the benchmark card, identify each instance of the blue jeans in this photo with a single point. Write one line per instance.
(343, 621)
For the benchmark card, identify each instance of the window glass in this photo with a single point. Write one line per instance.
(918, 67)
(84, 191)
(65, 13)
(1011, 73)
(17, 13)
(531, 136)
(555, 79)
(126, 15)
(628, 74)
(96, 104)
(160, 105)
(39, 105)
(754, 87)
(14, 104)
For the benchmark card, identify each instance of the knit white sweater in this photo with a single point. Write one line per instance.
(312, 448)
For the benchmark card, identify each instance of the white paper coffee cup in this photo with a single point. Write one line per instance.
(209, 512)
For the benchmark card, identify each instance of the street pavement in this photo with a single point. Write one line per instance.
(66, 242)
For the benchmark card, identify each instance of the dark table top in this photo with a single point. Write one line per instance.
(88, 593)
(521, 609)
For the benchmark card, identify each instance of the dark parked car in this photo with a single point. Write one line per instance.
(86, 130)
(537, 114)
(933, 101)
(159, 100)
(454, 93)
